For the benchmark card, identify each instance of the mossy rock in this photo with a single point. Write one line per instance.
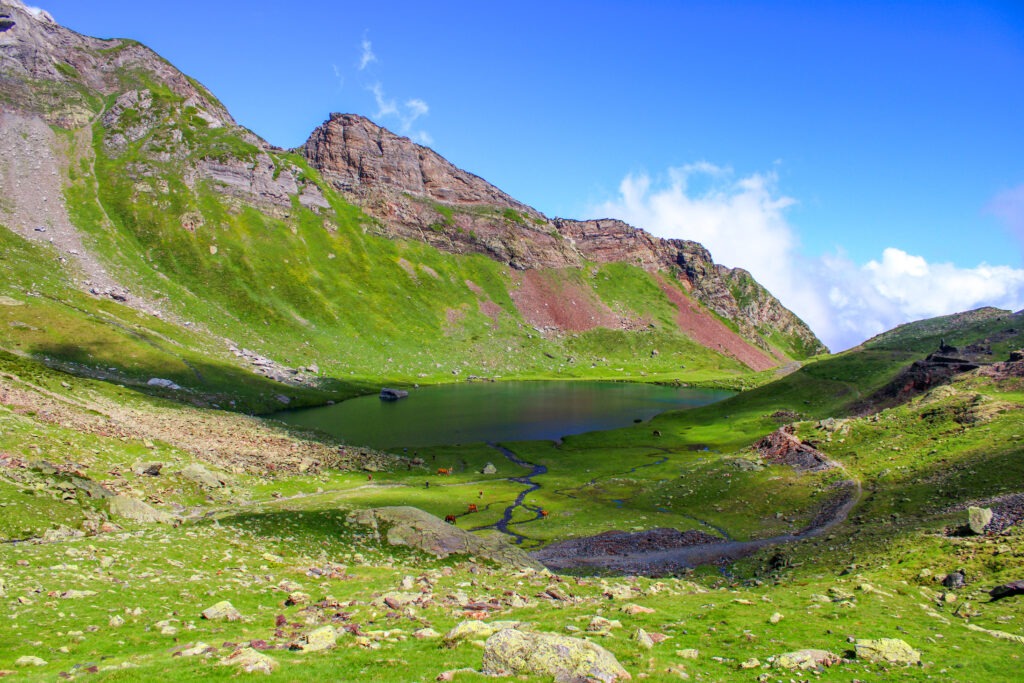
(550, 655)
(887, 651)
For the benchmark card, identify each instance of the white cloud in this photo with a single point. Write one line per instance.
(743, 223)
(385, 107)
(339, 75)
(367, 57)
(405, 115)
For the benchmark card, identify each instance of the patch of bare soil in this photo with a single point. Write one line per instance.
(708, 331)
(32, 168)
(563, 306)
(782, 447)
(625, 543)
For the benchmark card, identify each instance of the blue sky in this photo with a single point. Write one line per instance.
(865, 160)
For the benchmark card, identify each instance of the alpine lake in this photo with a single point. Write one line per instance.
(475, 412)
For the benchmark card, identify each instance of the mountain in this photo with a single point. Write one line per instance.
(359, 255)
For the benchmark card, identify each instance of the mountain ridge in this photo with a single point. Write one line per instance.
(169, 206)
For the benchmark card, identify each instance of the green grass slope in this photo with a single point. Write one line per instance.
(276, 542)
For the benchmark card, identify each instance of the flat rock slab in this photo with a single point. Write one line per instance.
(887, 651)
(408, 526)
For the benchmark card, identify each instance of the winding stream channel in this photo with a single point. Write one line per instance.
(558, 556)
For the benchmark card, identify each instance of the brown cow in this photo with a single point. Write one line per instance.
(543, 513)
(472, 507)
(444, 471)
(450, 519)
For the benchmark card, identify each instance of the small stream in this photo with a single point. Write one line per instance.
(520, 501)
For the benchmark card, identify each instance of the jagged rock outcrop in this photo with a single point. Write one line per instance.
(35, 48)
(417, 194)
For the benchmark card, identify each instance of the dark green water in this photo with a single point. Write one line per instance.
(496, 411)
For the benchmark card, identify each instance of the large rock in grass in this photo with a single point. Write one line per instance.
(887, 651)
(222, 611)
(806, 660)
(250, 661)
(978, 519)
(202, 476)
(138, 511)
(323, 638)
(565, 659)
(414, 528)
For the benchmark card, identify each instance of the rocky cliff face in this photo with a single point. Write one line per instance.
(52, 71)
(417, 194)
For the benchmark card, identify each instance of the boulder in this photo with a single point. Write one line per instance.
(955, 580)
(323, 638)
(643, 639)
(806, 660)
(202, 476)
(250, 661)
(138, 511)
(887, 651)
(978, 519)
(562, 658)
(199, 649)
(1007, 590)
(162, 383)
(151, 469)
(489, 468)
(222, 611)
(29, 660)
(412, 527)
(425, 634)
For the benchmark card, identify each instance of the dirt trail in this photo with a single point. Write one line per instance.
(630, 559)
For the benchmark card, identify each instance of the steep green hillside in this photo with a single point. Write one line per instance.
(172, 209)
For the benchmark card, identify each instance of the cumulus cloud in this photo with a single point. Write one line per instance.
(367, 57)
(743, 222)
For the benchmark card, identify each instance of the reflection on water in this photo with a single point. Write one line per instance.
(496, 411)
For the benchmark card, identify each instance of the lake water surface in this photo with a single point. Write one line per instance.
(473, 412)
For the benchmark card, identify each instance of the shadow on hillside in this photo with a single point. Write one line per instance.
(202, 383)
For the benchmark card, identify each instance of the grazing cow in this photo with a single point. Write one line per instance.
(472, 507)
(450, 519)
(543, 513)
(444, 471)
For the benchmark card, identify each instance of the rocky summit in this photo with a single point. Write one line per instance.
(171, 282)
